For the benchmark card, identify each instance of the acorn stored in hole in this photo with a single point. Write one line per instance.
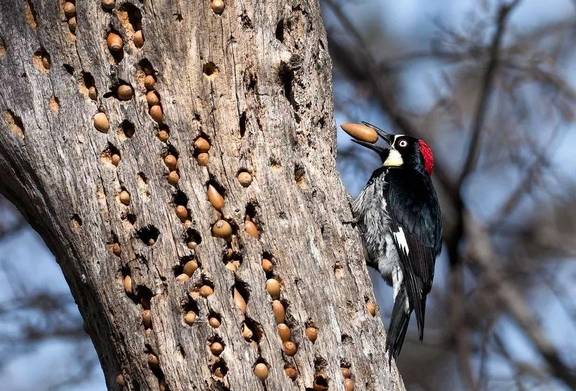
(92, 93)
(108, 4)
(138, 39)
(215, 198)
(246, 332)
(222, 229)
(170, 161)
(190, 317)
(163, 135)
(284, 332)
(261, 371)
(152, 98)
(72, 24)
(124, 197)
(128, 285)
(311, 333)
(205, 290)
(190, 267)
(201, 145)
(214, 322)
(124, 92)
(290, 348)
(216, 348)
(153, 360)
(217, 6)
(267, 265)
(69, 9)
(273, 287)
(348, 385)
(181, 212)
(156, 113)
(371, 307)
(101, 122)
(149, 82)
(360, 132)
(120, 380)
(147, 319)
(245, 178)
(250, 228)
(182, 278)
(115, 159)
(114, 42)
(202, 159)
(279, 311)
(116, 249)
(239, 301)
(291, 372)
(173, 178)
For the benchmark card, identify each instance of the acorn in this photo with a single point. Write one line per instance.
(311, 333)
(360, 132)
(215, 198)
(124, 197)
(114, 42)
(214, 322)
(190, 267)
(217, 6)
(181, 212)
(202, 159)
(222, 229)
(371, 307)
(206, 290)
(279, 311)
(216, 348)
(124, 92)
(190, 317)
(115, 159)
(348, 385)
(173, 178)
(152, 98)
(163, 135)
(108, 4)
(201, 145)
(261, 371)
(156, 113)
(92, 93)
(45, 62)
(147, 319)
(245, 178)
(239, 301)
(153, 360)
(267, 265)
(149, 82)
(273, 287)
(284, 332)
(346, 372)
(171, 161)
(120, 380)
(291, 372)
(191, 245)
(128, 285)
(182, 278)
(72, 24)
(138, 39)
(290, 348)
(246, 332)
(116, 249)
(69, 9)
(250, 228)
(231, 266)
(101, 122)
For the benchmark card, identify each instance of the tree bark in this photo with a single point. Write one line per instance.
(254, 81)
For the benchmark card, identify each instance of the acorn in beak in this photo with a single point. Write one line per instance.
(367, 135)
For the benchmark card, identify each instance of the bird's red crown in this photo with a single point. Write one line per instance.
(427, 155)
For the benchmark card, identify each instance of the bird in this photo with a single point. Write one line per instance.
(400, 221)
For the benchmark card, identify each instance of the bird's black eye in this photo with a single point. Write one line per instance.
(402, 143)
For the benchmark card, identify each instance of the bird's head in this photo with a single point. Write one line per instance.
(403, 151)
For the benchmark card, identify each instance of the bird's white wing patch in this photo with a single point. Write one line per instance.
(401, 240)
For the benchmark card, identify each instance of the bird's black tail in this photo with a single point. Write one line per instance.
(398, 325)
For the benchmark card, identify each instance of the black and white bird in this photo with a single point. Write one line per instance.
(399, 217)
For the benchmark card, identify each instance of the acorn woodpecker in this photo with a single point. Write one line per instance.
(399, 218)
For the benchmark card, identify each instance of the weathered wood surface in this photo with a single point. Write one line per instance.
(256, 82)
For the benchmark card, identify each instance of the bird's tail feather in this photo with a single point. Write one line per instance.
(398, 325)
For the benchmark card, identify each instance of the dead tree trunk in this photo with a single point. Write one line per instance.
(163, 150)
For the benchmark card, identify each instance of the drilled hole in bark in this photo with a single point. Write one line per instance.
(130, 218)
(204, 288)
(190, 311)
(148, 234)
(144, 295)
(251, 221)
(69, 69)
(130, 17)
(115, 43)
(113, 246)
(320, 382)
(88, 86)
(30, 15)
(232, 260)
(286, 75)
(142, 185)
(216, 345)
(54, 104)
(240, 294)
(41, 60)
(179, 198)
(126, 130)
(192, 238)
(242, 124)
(110, 155)
(163, 133)
(279, 33)
(219, 369)
(75, 222)
(251, 330)
(346, 339)
(186, 267)
(214, 320)
(300, 175)
(210, 70)
(146, 66)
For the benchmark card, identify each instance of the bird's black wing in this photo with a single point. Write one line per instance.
(416, 231)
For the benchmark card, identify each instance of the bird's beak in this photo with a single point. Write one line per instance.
(389, 138)
(376, 148)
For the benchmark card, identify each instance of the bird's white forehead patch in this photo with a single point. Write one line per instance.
(394, 159)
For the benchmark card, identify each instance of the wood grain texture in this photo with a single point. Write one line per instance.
(255, 81)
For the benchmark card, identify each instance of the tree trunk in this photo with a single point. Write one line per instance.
(164, 278)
